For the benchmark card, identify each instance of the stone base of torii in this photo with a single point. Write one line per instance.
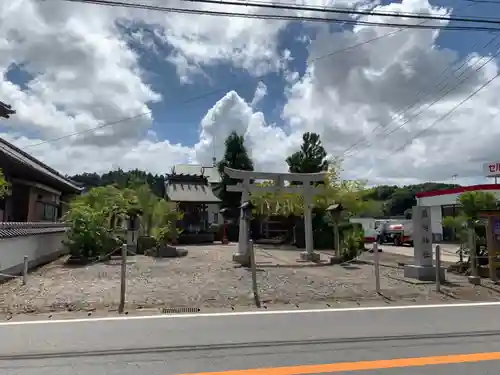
(246, 187)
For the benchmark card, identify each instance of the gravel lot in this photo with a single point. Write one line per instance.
(208, 278)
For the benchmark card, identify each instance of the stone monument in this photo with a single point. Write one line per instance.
(423, 267)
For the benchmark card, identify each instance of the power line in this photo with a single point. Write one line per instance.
(210, 93)
(446, 93)
(410, 106)
(283, 17)
(419, 99)
(268, 5)
(437, 100)
(447, 114)
(166, 9)
(484, 2)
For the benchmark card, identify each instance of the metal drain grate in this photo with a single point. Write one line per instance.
(179, 310)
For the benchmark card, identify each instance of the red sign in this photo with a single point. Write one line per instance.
(492, 169)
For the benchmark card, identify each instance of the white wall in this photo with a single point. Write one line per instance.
(211, 210)
(40, 248)
(436, 219)
(436, 202)
(442, 200)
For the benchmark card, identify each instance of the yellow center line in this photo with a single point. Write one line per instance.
(363, 365)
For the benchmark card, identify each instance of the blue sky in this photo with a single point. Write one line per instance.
(179, 122)
(347, 97)
(177, 117)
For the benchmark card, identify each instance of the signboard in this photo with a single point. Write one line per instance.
(422, 235)
(491, 169)
(496, 226)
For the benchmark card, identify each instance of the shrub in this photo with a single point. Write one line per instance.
(165, 217)
(145, 243)
(352, 245)
(88, 235)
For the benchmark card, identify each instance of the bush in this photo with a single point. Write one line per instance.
(88, 236)
(145, 243)
(352, 245)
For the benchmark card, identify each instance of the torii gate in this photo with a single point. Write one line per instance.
(246, 188)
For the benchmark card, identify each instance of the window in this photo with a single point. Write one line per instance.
(216, 217)
(46, 211)
(450, 210)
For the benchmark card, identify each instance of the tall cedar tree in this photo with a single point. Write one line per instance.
(311, 158)
(236, 157)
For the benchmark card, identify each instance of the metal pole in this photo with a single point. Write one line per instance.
(472, 248)
(123, 281)
(337, 239)
(377, 267)
(25, 270)
(438, 268)
(253, 268)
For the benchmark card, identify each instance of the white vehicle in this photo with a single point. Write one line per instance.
(397, 232)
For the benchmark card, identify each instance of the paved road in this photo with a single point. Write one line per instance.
(364, 341)
(448, 252)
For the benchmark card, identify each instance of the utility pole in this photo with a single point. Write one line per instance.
(123, 279)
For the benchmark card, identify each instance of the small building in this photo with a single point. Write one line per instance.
(38, 192)
(213, 179)
(193, 195)
(443, 204)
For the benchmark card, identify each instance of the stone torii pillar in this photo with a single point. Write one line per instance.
(246, 188)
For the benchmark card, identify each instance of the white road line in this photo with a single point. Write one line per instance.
(250, 313)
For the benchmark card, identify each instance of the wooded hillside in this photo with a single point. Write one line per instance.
(387, 200)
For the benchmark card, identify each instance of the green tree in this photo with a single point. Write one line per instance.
(92, 217)
(4, 186)
(311, 158)
(471, 204)
(123, 180)
(400, 201)
(147, 201)
(236, 157)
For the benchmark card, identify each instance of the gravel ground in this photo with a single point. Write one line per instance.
(208, 278)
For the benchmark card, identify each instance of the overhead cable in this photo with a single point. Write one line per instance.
(419, 99)
(286, 17)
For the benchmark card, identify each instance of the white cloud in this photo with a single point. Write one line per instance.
(260, 93)
(85, 74)
(267, 144)
(357, 94)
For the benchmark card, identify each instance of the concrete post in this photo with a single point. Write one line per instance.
(25, 270)
(474, 278)
(308, 226)
(377, 267)
(123, 280)
(309, 254)
(253, 268)
(438, 268)
(490, 245)
(242, 253)
(337, 239)
(472, 249)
